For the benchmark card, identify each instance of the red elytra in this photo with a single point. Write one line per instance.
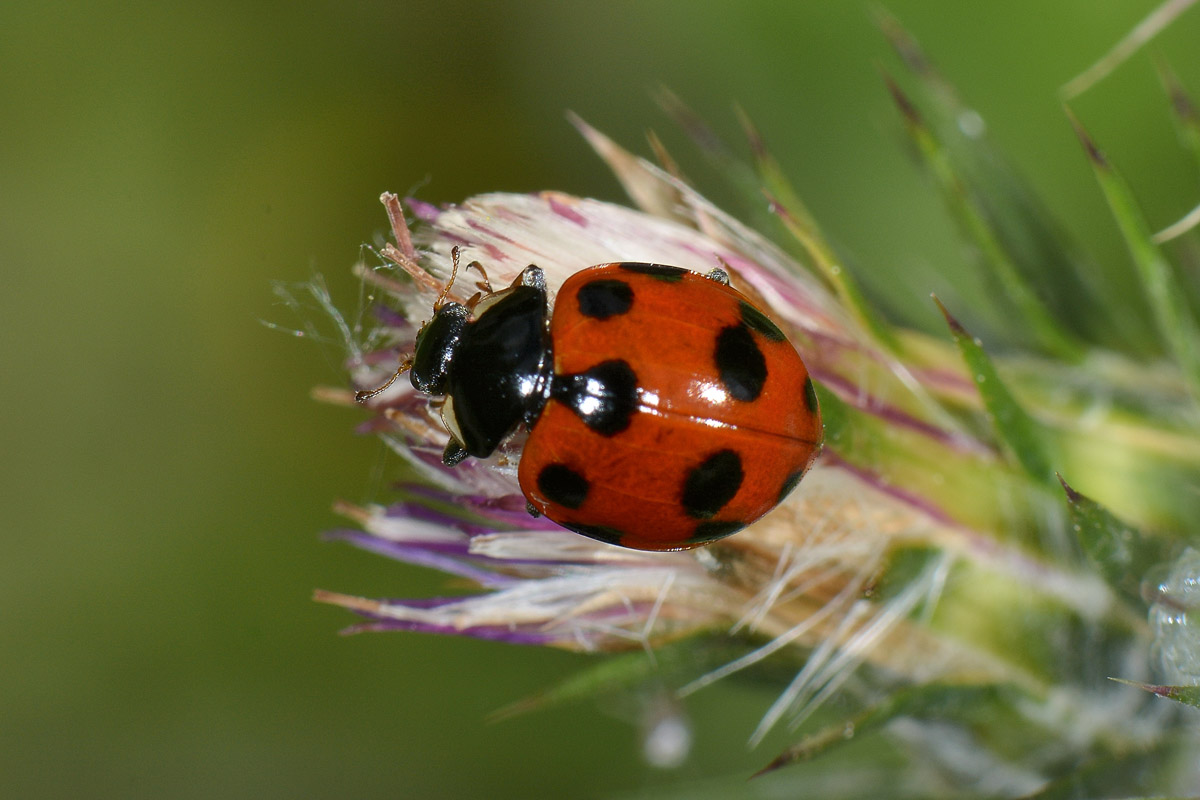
(723, 421)
(664, 409)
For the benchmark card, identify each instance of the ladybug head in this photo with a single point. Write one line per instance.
(436, 343)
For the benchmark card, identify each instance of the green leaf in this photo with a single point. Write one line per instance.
(1047, 258)
(1177, 327)
(931, 701)
(961, 202)
(1129, 774)
(1021, 434)
(978, 222)
(740, 175)
(791, 210)
(835, 416)
(1117, 551)
(680, 660)
(1188, 695)
(1184, 111)
(918, 467)
(766, 179)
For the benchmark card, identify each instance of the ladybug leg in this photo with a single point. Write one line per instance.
(454, 453)
(363, 395)
(532, 510)
(485, 285)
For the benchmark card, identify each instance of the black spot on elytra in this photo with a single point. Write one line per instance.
(792, 481)
(604, 298)
(660, 271)
(604, 397)
(601, 533)
(740, 363)
(756, 320)
(810, 395)
(712, 484)
(563, 485)
(711, 531)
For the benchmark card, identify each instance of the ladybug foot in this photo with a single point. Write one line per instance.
(454, 453)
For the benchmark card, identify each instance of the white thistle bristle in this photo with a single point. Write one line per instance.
(566, 604)
(563, 547)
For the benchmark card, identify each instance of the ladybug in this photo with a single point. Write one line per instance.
(664, 409)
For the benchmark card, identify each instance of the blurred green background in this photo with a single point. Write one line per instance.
(167, 474)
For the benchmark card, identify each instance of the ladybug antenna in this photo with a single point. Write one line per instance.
(363, 395)
(441, 298)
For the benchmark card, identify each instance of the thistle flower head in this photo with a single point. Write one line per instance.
(930, 571)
